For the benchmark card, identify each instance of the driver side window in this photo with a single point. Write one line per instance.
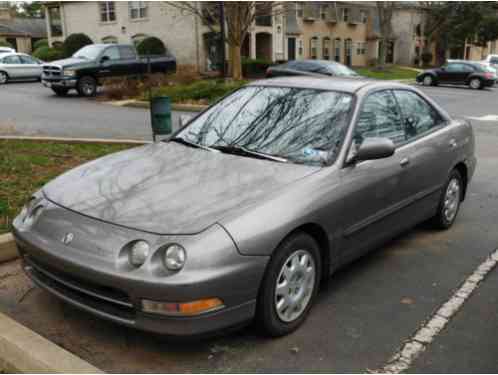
(112, 53)
(380, 117)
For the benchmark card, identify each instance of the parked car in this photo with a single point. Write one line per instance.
(86, 68)
(19, 66)
(460, 72)
(492, 61)
(318, 68)
(7, 50)
(246, 208)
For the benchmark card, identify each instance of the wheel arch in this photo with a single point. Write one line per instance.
(461, 167)
(3, 71)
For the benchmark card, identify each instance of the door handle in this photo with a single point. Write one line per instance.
(453, 143)
(404, 162)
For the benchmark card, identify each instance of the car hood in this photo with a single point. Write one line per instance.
(169, 188)
(70, 62)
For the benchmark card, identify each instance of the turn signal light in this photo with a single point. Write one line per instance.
(185, 308)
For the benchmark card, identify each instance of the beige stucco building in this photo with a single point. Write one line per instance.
(21, 33)
(342, 31)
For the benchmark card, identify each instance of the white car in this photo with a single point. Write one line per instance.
(7, 50)
(19, 66)
(491, 61)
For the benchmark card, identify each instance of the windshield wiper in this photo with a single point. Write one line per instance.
(240, 150)
(183, 141)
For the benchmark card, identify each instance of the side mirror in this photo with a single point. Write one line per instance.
(103, 59)
(375, 148)
(184, 120)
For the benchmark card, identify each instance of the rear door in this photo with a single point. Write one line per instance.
(12, 64)
(372, 188)
(129, 63)
(427, 152)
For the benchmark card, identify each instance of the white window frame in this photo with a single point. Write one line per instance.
(138, 10)
(314, 43)
(345, 14)
(363, 16)
(106, 10)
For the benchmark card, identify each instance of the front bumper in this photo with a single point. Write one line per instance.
(60, 82)
(117, 295)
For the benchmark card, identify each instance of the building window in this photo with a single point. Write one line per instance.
(136, 39)
(107, 11)
(109, 40)
(337, 50)
(54, 14)
(326, 48)
(361, 48)
(299, 9)
(138, 10)
(363, 16)
(314, 47)
(323, 12)
(345, 14)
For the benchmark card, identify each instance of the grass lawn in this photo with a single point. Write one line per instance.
(204, 91)
(391, 72)
(25, 166)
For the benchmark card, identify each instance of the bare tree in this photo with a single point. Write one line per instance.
(385, 11)
(239, 16)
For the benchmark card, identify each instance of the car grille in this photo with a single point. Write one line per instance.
(105, 300)
(52, 71)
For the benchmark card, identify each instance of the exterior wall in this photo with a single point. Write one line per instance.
(181, 34)
(24, 44)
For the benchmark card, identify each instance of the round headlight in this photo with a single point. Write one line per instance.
(139, 253)
(174, 257)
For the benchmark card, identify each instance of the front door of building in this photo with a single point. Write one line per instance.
(348, 52)
(291, 48)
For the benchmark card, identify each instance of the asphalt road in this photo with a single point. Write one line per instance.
(31, 109)
(363, 314)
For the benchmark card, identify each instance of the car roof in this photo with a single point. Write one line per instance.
(348, 85)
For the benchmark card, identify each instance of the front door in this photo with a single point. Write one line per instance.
(31, 66)
(454, 73)
(109, 62)
(291, 48)
(348, 52)
(372, 188)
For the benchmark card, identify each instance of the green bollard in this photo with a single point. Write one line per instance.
(160, 115)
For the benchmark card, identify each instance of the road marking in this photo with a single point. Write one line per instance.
(412, 348)
(485, 118)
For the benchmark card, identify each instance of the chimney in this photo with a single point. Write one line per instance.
(5, 12)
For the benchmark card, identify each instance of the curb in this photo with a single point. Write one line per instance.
(8, 248)
(146, 104)
(24, 351)
(75, 140)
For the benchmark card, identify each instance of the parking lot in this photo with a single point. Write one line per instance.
(364, 313)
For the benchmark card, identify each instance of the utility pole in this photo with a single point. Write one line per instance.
(222, 31)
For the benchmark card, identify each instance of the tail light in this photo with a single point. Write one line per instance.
(489, 75)
(268, 73)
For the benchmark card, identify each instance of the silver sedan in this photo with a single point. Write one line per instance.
(242, 212)
(19, 66)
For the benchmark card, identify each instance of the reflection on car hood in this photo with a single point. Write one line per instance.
(169, 188)
(70, 62)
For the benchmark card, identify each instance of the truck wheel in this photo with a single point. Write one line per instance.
(3, 78)
(60, 91)
(87, 86)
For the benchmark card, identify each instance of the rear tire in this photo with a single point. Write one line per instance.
(450, 200)
(428, 80)
(291, 279)
(87, 86)
(60, 91)
(4, 78)
(475, 83)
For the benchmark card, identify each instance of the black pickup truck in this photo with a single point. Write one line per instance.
(86, 68)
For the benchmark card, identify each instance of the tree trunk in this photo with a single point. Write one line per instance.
(381, 63)
(236, 62)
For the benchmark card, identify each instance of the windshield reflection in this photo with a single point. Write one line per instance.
(301, 125)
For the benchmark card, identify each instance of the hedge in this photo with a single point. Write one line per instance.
(254, 67)
(151, 46)
(75, 42)
(4, 43)
(48, 54)
(40, 43)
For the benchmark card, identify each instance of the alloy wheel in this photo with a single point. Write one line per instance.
(475, 83)
(295, 285)
(451, 199)
(427, 80)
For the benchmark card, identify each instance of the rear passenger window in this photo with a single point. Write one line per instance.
(380, 117)
(419, 116)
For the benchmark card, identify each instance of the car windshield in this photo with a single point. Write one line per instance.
(297, 124)
(89, 52)
(342, 70)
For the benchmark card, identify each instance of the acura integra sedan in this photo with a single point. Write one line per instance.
(242, 213)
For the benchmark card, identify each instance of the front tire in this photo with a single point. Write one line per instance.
(290, 285)
(428, 80)
(4, 78)
(449, 202)
(87, 86)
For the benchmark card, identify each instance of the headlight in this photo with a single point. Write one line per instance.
(174, 257)
(69, 72)
(33, 214)
(139, 253)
